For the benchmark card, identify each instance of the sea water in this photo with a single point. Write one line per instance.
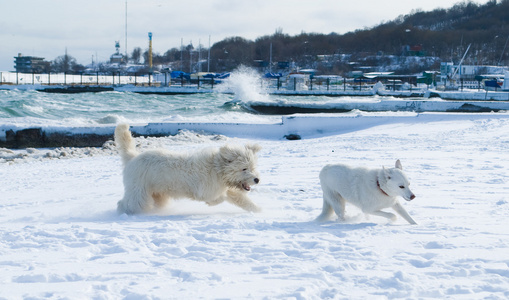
(225, 104)
(95, 106)
(30, 107)
(33, 107)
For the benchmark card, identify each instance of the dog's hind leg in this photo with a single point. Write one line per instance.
(326, 212)
(402, 212)
(339, 207)
(136, 200)
(335, 202)
(241, 200)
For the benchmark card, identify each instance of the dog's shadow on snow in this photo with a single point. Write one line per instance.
(114, 216)
(260, 224)
(335, 228)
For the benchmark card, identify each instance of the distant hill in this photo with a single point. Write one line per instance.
(410, 43)
(441, 32)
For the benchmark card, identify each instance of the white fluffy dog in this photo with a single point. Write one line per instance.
(369, 189)
(211, 175)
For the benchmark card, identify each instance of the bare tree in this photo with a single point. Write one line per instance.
(136, 55)
(66, 63)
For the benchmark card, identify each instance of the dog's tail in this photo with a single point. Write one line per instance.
(125, 143)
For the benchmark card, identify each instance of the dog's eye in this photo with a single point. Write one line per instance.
(401, 186)
(244, 170)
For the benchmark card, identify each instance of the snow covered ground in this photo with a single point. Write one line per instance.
(60, 237)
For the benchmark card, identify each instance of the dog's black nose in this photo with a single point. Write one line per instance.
(412, 197)
(256, 180)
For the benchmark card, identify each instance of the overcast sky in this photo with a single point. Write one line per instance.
(90, 28)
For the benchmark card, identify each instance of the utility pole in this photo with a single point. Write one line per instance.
(191, 58)
(181, 53)
(270, 59)
(199, 55)
(208, 58)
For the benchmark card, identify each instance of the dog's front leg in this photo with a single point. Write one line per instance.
(384, 214)
(216, 201)
(241, 200)
(402, 212)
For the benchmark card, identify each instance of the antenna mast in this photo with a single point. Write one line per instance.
(126, 30)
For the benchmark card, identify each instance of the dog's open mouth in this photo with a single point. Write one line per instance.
(246, 186)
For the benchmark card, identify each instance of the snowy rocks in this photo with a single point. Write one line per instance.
(31, 137)
(39, 138)
(292, 137)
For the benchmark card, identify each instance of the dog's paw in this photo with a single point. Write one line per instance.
(393, 218)
(254, 208)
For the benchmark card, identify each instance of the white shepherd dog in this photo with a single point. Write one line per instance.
(211, 175)
(369, 189)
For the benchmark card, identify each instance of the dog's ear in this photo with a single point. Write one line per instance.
(226, 153)
(387, 173)
(254, 147)
(398, 165)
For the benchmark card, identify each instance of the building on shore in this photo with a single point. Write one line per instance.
(117, 57)
(30, 64)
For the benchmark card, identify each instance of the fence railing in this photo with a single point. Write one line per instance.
(74, 79)
(164, 79)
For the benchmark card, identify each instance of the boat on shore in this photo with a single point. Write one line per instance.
(488, 94)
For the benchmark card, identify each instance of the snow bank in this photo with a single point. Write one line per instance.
(302, 125)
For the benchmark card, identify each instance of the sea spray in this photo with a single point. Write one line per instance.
(246, 85)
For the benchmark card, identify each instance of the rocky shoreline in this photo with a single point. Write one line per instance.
(39, 138)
